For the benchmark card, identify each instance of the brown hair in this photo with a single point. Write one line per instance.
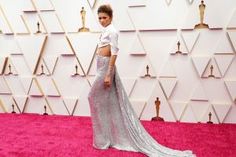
(106, 8)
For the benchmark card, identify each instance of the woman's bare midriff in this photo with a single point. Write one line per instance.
(104, 51)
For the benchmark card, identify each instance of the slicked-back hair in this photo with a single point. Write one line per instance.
(106, 8)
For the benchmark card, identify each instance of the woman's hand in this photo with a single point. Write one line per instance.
(107, 81)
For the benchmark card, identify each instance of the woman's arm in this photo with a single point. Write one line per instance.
(110, 70)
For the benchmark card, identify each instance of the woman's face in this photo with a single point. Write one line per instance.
(104, 19)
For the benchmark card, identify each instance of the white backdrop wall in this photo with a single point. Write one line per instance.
(38, 69)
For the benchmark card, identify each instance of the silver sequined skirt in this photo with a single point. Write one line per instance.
(115, 123)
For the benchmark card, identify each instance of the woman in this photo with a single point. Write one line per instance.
(115, 123)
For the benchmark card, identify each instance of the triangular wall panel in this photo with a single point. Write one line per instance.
(26, 82)
(190, 38)
(20, 64)
(50, 62)
(230, 117)
(128, 84)
(4, 24)
(12, 14)
(124, 21)
(178, 108)
(93, 67)
(32, 47)
(224, 46)
(57, 44)
(70, 104)
(8, 103)
(190, 1)
(188, 115)
(67, 82)
(51, 22)
(37, 105)
(4, 88)
(200, 63)
(232, 36)
(79, 44)
(147, 69)
(168, 2)
(231, 86)
(48, 86)
(71, 19)
(212, 69)
(9, 45)
(221, 110)
(91, 3)
(29, 7)
(168, 70)
(165, 109)
(15, 85)
(83, 109)
(42, 68)
(34, 22)
(138, 106)
(179, 47)
(137, 47)
(232, 22)
(224, 62)
(91, 80)
(140, 85)
(210, 112)
(3, 61)
(10, 68)
(20, 101)
(199, 94)
(168, 85)
(43, 5)
(57, 106)
(35, 89)
(199, 109)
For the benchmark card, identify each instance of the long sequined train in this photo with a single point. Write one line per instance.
(115, 123)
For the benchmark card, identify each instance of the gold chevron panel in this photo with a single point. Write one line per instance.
(35, 89)
(4, 23)
(48, 86)
(137, 47)
(4, 88)
(1, 107)
(20, 64)
(43, 5)
(32, 48)
(33, 22)
(9, 67)
(3, 61)
(37, 105)
(50, 62)
(20, 102)
(57, 106)
(13, 16)
(85, 52)
(51, 22)
(70, 103)
(9, 45)
(221, 110)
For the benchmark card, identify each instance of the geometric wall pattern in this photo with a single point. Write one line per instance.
(47, 65)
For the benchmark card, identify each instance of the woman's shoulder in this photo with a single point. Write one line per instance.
(112, 29)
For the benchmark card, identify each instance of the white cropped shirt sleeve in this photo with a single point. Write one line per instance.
(114, 43)
(109, 36)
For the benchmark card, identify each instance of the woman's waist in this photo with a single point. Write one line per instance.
(104, 51)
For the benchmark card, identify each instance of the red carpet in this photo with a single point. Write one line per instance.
(27, 135)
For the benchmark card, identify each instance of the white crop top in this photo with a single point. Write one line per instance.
(109, 36)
